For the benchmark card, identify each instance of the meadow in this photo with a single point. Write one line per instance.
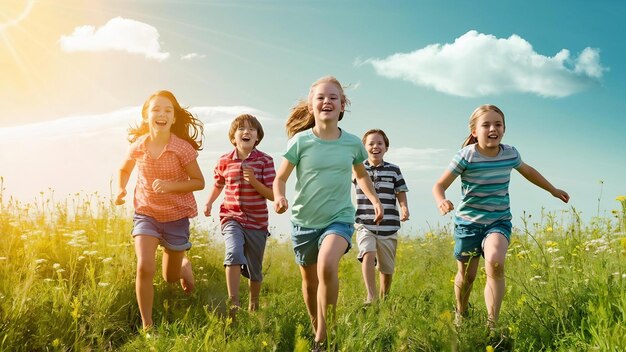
(67, 284)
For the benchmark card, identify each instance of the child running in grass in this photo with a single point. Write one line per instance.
(164, 149)
(247, 174)
(324, 156)
(483, 218)
(378, 242)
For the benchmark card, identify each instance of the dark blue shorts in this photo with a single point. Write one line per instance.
(469, 240)
(307, 241)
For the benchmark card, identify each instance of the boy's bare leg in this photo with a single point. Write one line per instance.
(233, 278)
(369, 275)
(385, 284)
(255, 292)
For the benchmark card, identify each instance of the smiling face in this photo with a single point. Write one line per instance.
(160, 114)
(325, 102)
(246, 137)
(489, 130)
(376, 148)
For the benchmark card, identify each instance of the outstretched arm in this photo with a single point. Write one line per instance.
(366, 185)
(124, 175)
(439, 192)
(537, 179)
(280, 202)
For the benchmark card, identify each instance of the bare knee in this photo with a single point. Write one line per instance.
(369, 258)
(465, 278)
(327, 270)
(495, 268)
(145, 269)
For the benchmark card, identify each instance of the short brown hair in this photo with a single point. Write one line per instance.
(239, 121)
(380, 132)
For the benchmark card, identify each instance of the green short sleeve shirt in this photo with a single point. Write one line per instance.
(323, 178)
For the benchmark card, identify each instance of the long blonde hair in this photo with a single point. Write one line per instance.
(300, 118)
(480, 111)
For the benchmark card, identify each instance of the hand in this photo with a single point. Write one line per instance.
(561, 194)
(160, 186)
(445, 206)
(404, 213)
(248, 175)
(120, 197)
(207, 209)
(378, 212)
(281, 205)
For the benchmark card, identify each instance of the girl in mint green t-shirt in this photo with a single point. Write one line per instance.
(324, 157)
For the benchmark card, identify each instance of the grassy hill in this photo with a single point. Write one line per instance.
(67, 283)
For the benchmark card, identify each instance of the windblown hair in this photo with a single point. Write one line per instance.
(186, 126)
(301, 118)
(240, 121)
(380, 132)
(480, 111)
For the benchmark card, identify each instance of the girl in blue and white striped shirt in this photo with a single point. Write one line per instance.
(483, 218)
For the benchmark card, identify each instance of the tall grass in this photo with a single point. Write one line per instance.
(67, 283)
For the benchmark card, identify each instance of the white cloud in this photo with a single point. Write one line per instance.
(192, 56)
(479, 64)
(118, 34)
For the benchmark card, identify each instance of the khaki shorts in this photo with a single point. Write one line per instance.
(384, 247)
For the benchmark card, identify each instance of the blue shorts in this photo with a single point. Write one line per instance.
(307, 241)
(244, 247)
(469, 240)
(173, 235)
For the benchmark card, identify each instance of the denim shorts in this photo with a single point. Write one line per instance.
(244, 247)
(469, 240)
(307, 241)
(173, 235)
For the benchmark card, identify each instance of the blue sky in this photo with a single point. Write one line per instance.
(74, 73)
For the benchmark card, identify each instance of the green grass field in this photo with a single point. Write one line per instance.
(67, 283)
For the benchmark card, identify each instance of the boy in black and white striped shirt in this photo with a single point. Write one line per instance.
(378, 242)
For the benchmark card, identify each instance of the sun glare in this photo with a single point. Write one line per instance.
(14, 11)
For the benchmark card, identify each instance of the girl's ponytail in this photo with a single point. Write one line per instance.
(300, 119)
(469, 140)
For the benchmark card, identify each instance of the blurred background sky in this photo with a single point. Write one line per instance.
(73, 75)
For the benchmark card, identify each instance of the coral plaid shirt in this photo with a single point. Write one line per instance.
(169, 166)
(242, 202)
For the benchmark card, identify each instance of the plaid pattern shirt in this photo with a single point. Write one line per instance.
(169, 166)
(242, 202)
